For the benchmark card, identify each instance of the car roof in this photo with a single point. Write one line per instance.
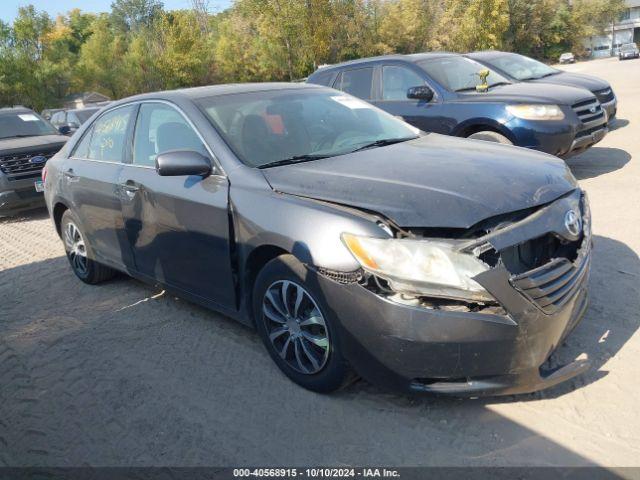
(215, 90)
(15, 110)
(413, 58)
(488, 54)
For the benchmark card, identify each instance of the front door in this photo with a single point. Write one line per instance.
(426, 116)
(178, 227)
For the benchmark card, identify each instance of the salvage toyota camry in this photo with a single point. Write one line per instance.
(349, 239)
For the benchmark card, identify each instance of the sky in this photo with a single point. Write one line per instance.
(9, 8)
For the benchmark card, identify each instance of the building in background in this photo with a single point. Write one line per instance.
(626, 30)
(86, 99)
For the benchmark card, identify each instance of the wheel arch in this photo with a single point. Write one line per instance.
(480, 125)
(59, 207)
(255, 261)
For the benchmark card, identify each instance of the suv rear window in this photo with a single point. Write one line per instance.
(356, 82)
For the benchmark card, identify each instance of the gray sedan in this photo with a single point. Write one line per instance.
(350, 240)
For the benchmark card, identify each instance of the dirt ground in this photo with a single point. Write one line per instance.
(121, 374)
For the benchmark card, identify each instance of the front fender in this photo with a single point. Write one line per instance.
(308, 229)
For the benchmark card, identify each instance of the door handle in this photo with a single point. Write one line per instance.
(129, 188)
(69, 175)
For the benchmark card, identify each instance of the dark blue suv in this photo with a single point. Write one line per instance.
(437, 92)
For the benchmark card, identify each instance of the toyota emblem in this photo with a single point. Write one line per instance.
(572, 223)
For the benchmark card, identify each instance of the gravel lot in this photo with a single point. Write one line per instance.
(122, 374)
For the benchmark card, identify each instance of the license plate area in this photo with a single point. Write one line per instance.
(39, 185)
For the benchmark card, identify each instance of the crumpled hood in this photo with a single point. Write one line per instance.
(35, 142)
(575, 80)
(433, 181)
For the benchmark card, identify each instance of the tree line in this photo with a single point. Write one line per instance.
(139, 46)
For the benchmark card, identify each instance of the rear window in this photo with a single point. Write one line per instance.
(356, 82)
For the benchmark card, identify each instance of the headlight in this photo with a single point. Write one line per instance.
(536, 112)
(420, 267)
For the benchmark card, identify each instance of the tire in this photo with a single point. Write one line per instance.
(79, 252)
(489, 136)
(307, 362)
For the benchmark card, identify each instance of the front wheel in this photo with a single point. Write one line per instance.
(294, 323)
(79, 252)
(490, 136)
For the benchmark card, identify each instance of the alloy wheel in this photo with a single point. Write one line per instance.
(296, 327)
(76, 248)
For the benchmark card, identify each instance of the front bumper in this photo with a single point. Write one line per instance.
(562, 138)
(18, 195)
(418, 349)
(611, 107)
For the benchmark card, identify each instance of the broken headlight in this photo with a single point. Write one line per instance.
(420, 267)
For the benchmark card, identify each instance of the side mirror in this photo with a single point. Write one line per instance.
(420, 93)
(182, 162)
(74, 125)
(64, 129)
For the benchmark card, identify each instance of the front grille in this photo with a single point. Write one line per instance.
(551, 285)
(588, 110)
(605, 95)
(18, 165)
(588, 131)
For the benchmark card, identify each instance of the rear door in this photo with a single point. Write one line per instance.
(395, 81)
(91, 177)
(178, 227)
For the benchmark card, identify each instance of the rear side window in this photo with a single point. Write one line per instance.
(356, 82)
(161, 128)
(397, 80)
(58, 118)
(108, 136)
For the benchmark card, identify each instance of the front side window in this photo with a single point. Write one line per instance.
(459, 74)
(109, 135)
(397, 80)
(24, 124)
(356, 82)
(278, 126)
(161, 128)
(522, 68)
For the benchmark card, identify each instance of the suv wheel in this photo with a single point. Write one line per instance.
(294, 324)
(79, 252)
(490, 136)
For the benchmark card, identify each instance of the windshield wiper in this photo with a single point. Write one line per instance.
(295, 159)
(383, 142)
(465, 89)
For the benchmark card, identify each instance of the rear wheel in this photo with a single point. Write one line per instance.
(79, 252)
(490, 136)
(294, 324)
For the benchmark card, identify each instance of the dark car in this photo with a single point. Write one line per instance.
(27, 141)
(628, 50)
(438, 93)
(426, 263)
(519, 68)
(68, 121)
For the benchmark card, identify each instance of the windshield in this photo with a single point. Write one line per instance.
(266, 127)
(458, 74)
(521, 67)
(24, 124)
(628, 46)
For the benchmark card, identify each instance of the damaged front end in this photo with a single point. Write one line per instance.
(479, 310)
